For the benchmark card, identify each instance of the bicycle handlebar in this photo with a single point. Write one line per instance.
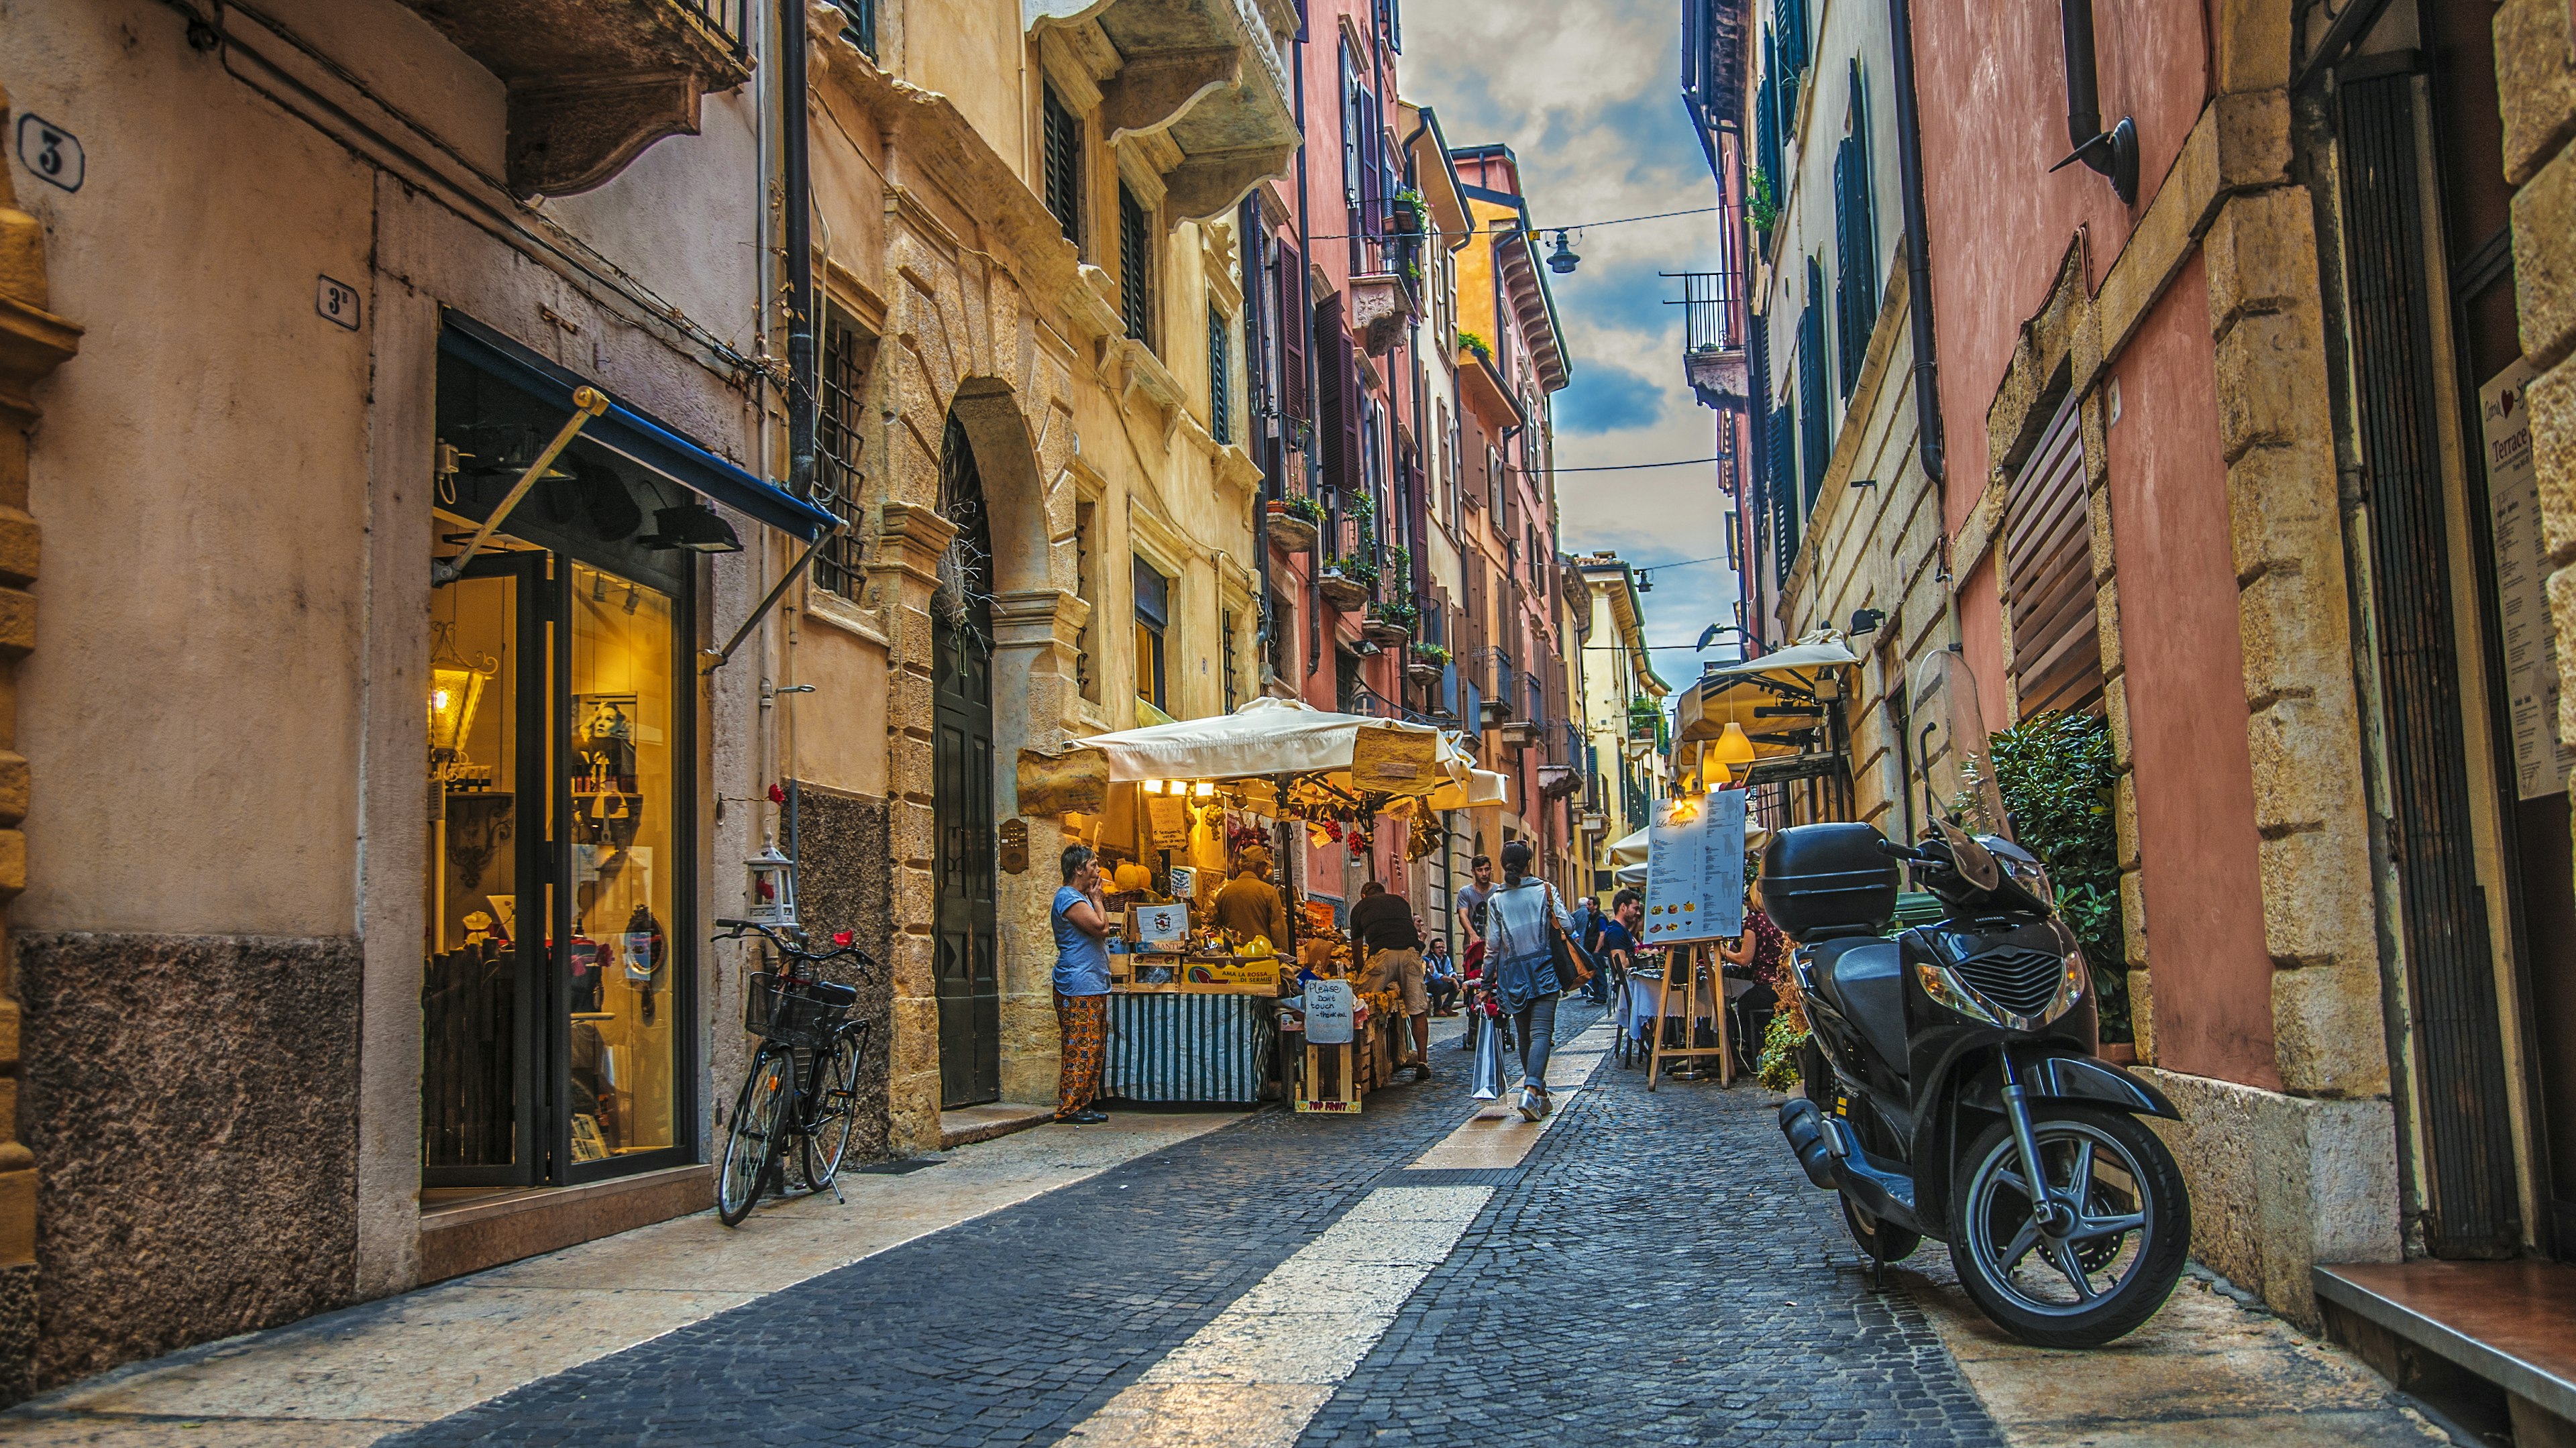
(736, 929)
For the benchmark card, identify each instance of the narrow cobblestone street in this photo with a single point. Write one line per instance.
(1647, 1269)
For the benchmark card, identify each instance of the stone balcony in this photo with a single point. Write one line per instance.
(592, 83)
(1206, 76)
(1718, 377)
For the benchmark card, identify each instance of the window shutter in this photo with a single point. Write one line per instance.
(1816, 440)
(1346, 373)
(1766, 118)
(1293, 314)
(1780, 489)
(2048, 561)
(1135, 266)
(1337, 423)
(1855, 244)
(1220, 378)
(1064, 166)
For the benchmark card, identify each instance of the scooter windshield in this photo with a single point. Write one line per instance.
(1951, 749)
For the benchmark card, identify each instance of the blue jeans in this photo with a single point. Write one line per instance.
(1535, 1024)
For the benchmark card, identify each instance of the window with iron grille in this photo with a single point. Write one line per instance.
(837, 441)
(1135, 266)
(1063, 166)
(859, 24)
(1816, 443)
(1220, 377)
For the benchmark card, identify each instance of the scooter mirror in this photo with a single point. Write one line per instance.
(1977, 864)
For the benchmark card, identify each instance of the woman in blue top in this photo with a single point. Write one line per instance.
(1081, 922)
(1519, 969)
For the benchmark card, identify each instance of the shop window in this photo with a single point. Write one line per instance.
(1064, 166)
(1135, 266)
(837, 442)
(1153, 619)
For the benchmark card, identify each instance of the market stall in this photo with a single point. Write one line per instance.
(1215, 953)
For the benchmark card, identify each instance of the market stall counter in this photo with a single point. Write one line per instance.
(1199, 809)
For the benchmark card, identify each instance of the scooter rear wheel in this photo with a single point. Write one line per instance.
(2122, 1249)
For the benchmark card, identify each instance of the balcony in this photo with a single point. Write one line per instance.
(592, 83)
(1713, 325)
(1204, 75)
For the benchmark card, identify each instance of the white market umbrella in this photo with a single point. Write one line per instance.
(1266, 737)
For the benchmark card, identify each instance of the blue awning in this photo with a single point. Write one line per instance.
(631, 432)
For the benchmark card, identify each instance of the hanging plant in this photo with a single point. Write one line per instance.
(1299, 505)
(1476, 344)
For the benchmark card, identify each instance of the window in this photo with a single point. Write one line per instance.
(859, 24)
(1220, 377)
(1153, 616)
(1064, 166)
(1789, 19)
(1086, 558)
(837, 441)
(1136, 266)
(2048, 562)
(1225, 647)
(1855, 244)
(1276, 644)
(1780, 488)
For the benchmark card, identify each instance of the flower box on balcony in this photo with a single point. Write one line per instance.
(1292, 531)
(1345, 593)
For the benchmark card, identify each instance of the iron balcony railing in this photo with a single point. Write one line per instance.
(1712, 312)
(1507, 685)
(1534, 696)
(732, 20)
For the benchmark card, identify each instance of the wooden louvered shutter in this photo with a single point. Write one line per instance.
(1293, 315)
(2048, 560)
(1336, 431)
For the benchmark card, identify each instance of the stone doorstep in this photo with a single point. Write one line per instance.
(2506, 1322)
(475, 1235)
(966, 1125)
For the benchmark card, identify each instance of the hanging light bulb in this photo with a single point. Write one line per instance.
(1562, 260)
(1734, 746)
(1203, 788)
(1153, 786)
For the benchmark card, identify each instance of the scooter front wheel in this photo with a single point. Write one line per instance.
(2102, 1255)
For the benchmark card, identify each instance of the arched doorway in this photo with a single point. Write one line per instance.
(966, 960)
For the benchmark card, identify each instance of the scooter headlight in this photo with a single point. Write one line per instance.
(1951, 993)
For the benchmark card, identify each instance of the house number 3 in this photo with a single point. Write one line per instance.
(51, 152)
(336, 302)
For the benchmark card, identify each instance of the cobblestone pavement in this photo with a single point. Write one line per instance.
(1647, 1269)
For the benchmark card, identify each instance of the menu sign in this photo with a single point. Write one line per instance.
(1329, 1013)
(1695, 870)
(2540, 763)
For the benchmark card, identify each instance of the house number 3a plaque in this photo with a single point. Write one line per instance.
(1015, 846)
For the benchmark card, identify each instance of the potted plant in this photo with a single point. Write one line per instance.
(1390, 623)
(1471, 342)
(1346, 581)
(1425, 664)
(1407, 217)
(1296, 522)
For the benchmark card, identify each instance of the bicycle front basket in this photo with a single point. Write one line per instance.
(796, 1012)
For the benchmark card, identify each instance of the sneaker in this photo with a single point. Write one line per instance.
(1530, 1107)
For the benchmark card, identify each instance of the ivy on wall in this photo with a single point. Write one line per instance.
(2056, 774)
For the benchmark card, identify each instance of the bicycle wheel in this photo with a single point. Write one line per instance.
(833, 1102)
(759, 1125)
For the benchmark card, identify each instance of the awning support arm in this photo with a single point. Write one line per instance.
(587, 403)
(718, 658)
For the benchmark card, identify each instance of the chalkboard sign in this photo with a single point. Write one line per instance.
(1329, 1012)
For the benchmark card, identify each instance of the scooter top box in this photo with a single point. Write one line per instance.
(1828, 879)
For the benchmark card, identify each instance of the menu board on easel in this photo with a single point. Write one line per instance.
(1695, 870)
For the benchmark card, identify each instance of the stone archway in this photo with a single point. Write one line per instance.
(966, 350)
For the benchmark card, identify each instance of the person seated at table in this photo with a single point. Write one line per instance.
(1250, 905)
(1385, 939)
(1440, 977)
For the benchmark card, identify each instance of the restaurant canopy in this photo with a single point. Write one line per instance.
(1785, 702)
(1271, 737)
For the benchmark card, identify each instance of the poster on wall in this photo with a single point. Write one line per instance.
(2540, 763)
(1170, 819)
(1695, 870)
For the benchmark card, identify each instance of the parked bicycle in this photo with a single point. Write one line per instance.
(802, 1088)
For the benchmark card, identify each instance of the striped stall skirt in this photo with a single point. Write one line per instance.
(1189, 1047)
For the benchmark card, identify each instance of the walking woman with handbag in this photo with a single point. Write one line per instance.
(1525, 932)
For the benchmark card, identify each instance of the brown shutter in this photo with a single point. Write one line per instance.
(1293, 317)
(1332, 353)
(2048, 559)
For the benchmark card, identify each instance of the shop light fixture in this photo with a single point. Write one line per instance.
(694, 528)
(1153, 786)
(1734, 746)
(1203, 788)
(455, 692)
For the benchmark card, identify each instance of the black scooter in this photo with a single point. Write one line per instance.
(1953, 1067)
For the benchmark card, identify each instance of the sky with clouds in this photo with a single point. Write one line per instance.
(1587, 93)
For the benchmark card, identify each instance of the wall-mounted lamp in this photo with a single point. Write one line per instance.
(1866, 620)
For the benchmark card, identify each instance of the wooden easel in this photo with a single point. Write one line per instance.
(1686, 960)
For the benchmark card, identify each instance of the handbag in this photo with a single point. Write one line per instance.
(1572, 970)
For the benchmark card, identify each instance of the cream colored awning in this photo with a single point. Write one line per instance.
(1269, 737)
(1790, 679)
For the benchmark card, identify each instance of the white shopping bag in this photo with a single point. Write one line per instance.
(1489, 1059)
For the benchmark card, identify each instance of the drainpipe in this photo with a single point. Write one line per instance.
(1255, 296)
(1918, 248)
(799, 219)
(1314, 364)
(2114, 152)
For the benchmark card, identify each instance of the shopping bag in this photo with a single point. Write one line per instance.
(1489, 1060)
